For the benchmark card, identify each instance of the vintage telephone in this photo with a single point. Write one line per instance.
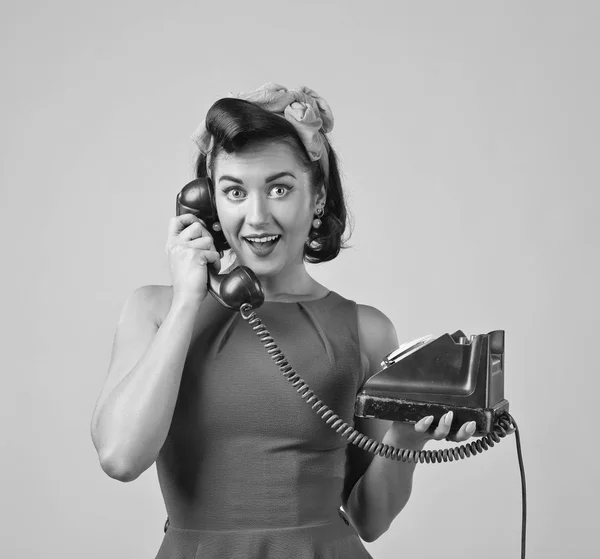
(427, 376)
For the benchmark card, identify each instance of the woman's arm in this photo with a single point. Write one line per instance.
(376, 488)
(384, 488)
(134, 411)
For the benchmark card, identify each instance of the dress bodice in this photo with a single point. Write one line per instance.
(244, 449)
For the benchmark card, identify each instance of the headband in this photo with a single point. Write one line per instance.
(308, 113)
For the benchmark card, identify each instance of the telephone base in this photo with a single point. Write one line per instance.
(410, 411)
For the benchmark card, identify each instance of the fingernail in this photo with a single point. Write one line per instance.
(448, 418)
(471, 427)
(428, 420)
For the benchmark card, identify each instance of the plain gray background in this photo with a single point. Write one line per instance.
(468, 137)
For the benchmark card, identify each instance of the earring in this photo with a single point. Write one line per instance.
(216, 226)
(317, 221)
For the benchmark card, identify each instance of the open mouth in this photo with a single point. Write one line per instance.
(262, 244)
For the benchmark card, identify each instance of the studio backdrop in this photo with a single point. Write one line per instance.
(468, 140)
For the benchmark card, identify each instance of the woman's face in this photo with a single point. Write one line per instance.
(266, 204)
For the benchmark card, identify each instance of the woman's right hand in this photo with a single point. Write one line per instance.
(190, 249)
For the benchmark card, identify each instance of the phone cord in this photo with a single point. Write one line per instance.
(505, 423)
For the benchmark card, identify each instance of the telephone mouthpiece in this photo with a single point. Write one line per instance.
(241, 286)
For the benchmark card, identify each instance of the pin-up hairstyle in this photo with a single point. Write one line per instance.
(233, 124)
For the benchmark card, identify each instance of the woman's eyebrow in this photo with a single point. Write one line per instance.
(279, 175)
(229, 178)
(268, 179)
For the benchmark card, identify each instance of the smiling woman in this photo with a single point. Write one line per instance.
(270, 212)
(271, 181)
(246, 468)
(238, 127)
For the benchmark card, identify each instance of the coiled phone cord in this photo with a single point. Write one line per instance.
(502, 427)
(505, 423)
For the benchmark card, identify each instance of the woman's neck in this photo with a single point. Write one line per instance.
(290, 284)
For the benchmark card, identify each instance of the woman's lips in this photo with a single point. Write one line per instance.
(262, 248)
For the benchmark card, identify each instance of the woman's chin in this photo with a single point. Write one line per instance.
(269, 264)
(263, 267)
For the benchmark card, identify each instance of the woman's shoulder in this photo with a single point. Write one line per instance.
(376, 333)
(372, 321)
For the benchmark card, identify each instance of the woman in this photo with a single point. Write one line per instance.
(246, 468)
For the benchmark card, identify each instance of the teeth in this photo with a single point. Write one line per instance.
(262, 239)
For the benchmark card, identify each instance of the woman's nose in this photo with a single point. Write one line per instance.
(258, 211)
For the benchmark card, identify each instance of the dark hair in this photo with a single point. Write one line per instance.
(236, 124)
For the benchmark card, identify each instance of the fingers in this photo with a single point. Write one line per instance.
(188, 231)
(194, 231)
(465, 432)
(442, 431)
(202, 243)
(179, 232)
(424, 424)
(178, 223)
(213, 257)
(443, 428)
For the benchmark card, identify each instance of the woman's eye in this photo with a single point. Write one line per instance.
(279, 191)
(235, 194)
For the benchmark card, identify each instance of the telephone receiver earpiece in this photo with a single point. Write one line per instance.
(239, 286)
(197, 198)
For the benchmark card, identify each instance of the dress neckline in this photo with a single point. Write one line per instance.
(300, 300)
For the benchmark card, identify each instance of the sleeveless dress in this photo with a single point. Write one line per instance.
(248, 469)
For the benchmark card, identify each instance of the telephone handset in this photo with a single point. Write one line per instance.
(428, 376)
(241, 284)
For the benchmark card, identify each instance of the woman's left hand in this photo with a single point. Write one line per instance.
(415, 436)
